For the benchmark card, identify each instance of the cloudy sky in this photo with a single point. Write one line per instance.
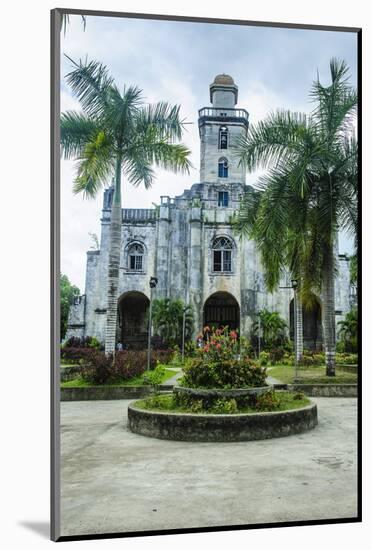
(176, 61)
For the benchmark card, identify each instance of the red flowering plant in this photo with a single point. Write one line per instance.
(220, 344)
(223, 362)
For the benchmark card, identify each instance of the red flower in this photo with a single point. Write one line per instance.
(206, 348)
(218, 346)
(233, 335)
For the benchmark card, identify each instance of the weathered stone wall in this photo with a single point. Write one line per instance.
(210, 153)
(222, 427)
(76, 319)
(342, 289)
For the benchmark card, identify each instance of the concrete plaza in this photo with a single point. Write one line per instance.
(115, 481)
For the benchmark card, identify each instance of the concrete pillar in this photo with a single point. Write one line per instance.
(195, 267)
(162, 258)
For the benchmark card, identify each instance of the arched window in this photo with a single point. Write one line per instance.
(223, 137)
(223, 168)
(135, 257)
(222, 254)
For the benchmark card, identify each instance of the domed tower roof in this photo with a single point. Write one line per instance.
(223, 79)
(223, 89)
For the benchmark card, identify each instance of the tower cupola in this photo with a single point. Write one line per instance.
(223, 92)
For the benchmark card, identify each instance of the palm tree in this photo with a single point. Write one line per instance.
(308, 194)
(272, 326)
(117, 133)
(167, 317)
(349, 330)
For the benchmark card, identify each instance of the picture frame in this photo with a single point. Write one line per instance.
(219, 259)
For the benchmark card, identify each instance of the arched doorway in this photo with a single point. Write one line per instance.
(132, 320)
(312, 325)
(222, 309)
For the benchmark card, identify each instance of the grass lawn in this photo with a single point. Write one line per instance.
(311, 375)
(137, 381)
(168, 403)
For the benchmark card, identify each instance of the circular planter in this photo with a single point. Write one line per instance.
(221, 427)
(199, 393)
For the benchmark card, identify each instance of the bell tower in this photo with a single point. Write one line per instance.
(219, 126)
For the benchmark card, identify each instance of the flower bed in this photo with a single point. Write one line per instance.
(223, 396)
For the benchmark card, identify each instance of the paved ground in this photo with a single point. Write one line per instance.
(173, 380)
(113, 480)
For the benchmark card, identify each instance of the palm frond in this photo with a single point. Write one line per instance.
(139, 171)
(77, 129)
(95, 166)
(269, 140)
(164, 117)
(91, 84)
(121, 111)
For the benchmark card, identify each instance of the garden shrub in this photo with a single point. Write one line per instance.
(99, 368)
(311, 359)
(154, 377)
(346, 359)
(222, 363)
(197, 406)
(163, 356)
(130, 364)
(76, 355)
(264, 358)
(225, 406)
(298, 396)
(267, 401)
(288, 359)
(276, 355)
(225, 374)
(87, 342)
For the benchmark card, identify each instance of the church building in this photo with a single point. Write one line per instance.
(188, 243)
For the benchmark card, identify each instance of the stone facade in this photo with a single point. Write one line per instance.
(189, 245)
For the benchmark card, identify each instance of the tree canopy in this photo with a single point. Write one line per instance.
(68, 292)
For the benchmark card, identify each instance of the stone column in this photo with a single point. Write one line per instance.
(195, 267)
(162, 252)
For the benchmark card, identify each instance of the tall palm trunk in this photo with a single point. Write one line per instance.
(329, 313)
(299, 327)
(113, 264)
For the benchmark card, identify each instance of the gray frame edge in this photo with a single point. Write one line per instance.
(54, 273)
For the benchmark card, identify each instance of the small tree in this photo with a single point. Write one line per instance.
(167, 318)
(68, 293)
(273, 328)
(349, 331)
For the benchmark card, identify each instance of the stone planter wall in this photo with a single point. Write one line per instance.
(97, 393)
(221, 427)
(326, 390)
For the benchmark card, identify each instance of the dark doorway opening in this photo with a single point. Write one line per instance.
(133, 320)
(312, 325)
(221, 309)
